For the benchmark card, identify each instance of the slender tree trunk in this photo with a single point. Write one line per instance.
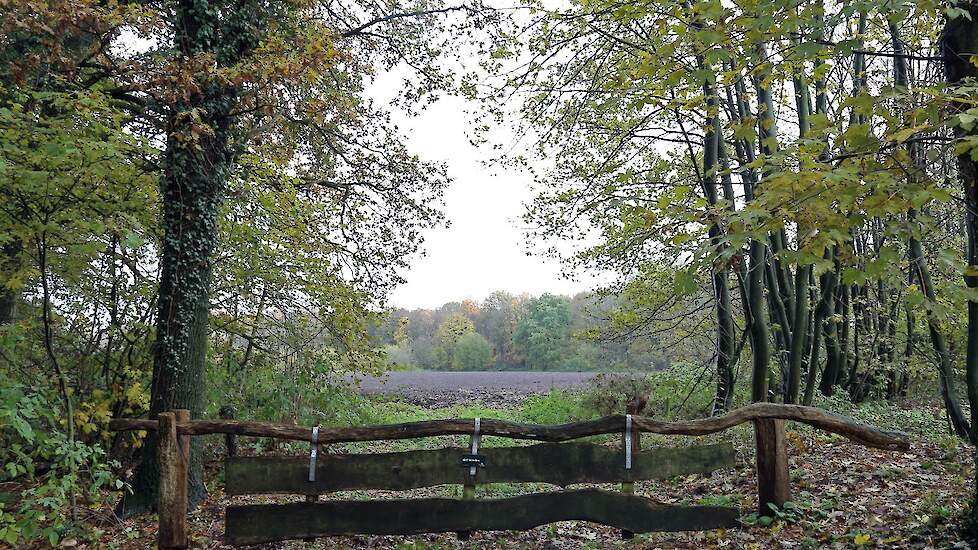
(831, 374)
(758, 327)
(780, 355)
(800, 320)
(815, 349)
(960, 46)
(767, 138)
(845, 314)
(9, 297)
(799, 329)
(945, 369)
(779, 312)
(725, 325)
(908, 351)
(62, 378)
(782, 276)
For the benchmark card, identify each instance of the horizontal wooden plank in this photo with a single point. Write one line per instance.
(823, 420)
(558, 463)
(256, 524)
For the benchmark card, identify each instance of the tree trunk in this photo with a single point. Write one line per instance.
(827, 306)
(767, 138)
(196, 167)
(724, 310)
(800, 309)
(960, 46)
(815, 347)
(8, 296)
(944, 365)
(959, 42)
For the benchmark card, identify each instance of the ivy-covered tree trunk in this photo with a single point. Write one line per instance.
(191, 189)
(960, 48)
(196, 164)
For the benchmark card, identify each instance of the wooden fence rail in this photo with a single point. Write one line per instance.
(274, 522)
(818, 418)
(559, 464)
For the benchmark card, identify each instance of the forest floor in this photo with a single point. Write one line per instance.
(845, 496)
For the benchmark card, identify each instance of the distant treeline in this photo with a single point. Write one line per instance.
(514, 332)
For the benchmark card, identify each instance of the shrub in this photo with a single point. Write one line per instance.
(399, 358)
(608, 393)
(307, 389)
(678, 392)
(50, 469)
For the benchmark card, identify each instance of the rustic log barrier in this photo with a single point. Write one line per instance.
(549, 462)
(173, 454)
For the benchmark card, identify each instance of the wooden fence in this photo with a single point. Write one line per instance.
(551, 462)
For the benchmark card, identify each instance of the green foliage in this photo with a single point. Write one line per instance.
(791, 512)
(553, 407)
(679, 392)
(544, 334)
(473, 352)
(48, 469)
(420, 337)
(306, 387)
(911, 418)
(399, 358)
(450, 333)
(676, 136)
(608, 393)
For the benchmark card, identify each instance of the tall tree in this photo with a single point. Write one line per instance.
(273, 93)
(197, 161)
(544, 334)
(959, 42)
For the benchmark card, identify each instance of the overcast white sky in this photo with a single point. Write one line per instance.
(484, 247)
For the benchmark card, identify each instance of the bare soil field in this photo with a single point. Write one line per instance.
(439, 388)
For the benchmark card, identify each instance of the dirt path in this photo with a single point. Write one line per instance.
(436, 388)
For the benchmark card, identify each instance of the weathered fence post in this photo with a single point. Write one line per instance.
(468, 488)
(633, 407)
(230, 440)
(173, 453)
(773, 483)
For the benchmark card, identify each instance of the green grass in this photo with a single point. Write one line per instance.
(560, 406)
